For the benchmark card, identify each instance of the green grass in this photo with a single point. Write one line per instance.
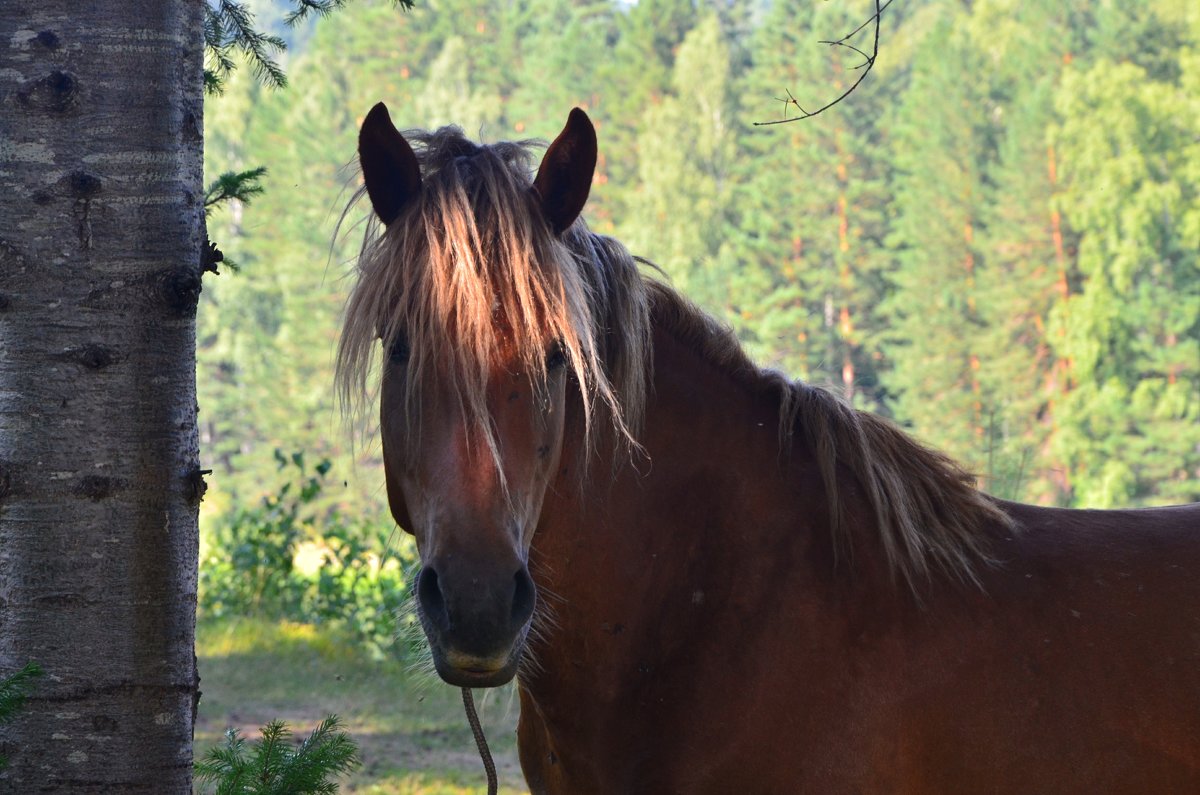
(412, 735)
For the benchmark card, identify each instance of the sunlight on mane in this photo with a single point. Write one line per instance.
(472, 249)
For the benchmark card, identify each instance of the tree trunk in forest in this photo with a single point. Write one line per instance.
(101, 229)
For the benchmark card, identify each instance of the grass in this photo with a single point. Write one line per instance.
(412, 734)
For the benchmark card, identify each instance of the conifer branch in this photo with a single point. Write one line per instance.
(232, 185)
(323, 8)
(14, 690)
(865, 66)
(228, 28)
(240, 185)
(274, 766)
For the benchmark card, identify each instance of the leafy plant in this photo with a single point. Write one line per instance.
(250, 568)
(274, 766)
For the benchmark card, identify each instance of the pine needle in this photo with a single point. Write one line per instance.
(274, 766)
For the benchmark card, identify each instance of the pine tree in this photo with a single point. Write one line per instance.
(677, 213)
(1131, 330)
(452, 95)
(266, 334)
(1025, 46)
(804, 272)
(942, 145)
(636, 75)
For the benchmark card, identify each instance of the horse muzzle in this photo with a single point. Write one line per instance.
(476, 622)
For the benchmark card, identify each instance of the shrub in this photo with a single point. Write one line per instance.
(249, 568)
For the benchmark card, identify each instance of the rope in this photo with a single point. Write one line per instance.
(480, 740)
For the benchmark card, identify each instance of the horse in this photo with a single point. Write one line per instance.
(706, 577)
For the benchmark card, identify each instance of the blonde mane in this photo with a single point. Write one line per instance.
(470, 270)
(471, 250)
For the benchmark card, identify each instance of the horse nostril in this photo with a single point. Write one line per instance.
(524, 596)
(429, 594)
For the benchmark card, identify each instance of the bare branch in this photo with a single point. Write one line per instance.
(865, 66)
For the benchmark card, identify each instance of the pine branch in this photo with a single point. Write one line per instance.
(323, 8)
(232, 185)
(213, 83)
(865, 66)
(327, 751)
(318, 8)
(15, 689)
(13, 692)
(229, 27)
(273, 766)
(239, 185)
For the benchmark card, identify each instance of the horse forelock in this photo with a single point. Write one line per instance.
(470, 277)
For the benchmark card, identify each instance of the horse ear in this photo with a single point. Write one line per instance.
(565, 176)
(389, 165)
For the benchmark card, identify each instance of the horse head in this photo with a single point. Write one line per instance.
(484, 334)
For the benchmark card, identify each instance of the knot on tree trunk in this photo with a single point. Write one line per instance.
(180, 288)
(96, 487)
(92, 355)
(56, 92)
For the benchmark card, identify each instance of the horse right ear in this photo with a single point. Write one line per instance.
(565, 176)
(389, 165)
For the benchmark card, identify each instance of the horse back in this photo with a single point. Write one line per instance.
(1076, 668)
(1073, 666)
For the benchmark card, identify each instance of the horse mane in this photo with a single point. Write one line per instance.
(468, 272)
(472, 249)
(928, 512)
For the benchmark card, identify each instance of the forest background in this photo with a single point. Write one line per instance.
(995, 240)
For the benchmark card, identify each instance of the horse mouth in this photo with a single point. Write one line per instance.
(463, 670)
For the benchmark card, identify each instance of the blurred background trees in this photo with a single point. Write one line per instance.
(994, 240)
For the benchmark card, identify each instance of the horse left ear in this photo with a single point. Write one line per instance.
(389, 166)
(565, 176)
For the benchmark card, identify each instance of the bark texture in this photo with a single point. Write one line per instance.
(101, 219)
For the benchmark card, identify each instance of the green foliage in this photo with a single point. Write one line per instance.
(802, 264)
(1131, 332)
(14, 689)
(272, 765)
(228, 29)
(322, 8)
(351, 581)
(942, 150)
(411, 734)
(686, 148)
(992, 239)
(234, 185)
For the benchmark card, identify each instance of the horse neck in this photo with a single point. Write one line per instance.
(614, 551)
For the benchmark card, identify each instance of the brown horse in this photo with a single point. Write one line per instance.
(705, 577)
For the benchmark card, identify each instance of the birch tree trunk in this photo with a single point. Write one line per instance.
(101, 229)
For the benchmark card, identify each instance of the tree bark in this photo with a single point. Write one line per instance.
(101, 229)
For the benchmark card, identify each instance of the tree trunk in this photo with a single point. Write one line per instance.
(101, 229)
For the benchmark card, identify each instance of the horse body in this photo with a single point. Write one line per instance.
(709, 579)
(706, 643)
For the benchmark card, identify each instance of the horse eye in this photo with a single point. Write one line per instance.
(556, 358)
(399, 352)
